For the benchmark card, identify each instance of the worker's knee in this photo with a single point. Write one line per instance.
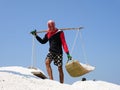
(60, 69)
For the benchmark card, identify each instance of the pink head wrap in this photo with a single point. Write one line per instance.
(51, 25)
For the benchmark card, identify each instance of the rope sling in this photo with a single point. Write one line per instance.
(33, 57)
(79, 33)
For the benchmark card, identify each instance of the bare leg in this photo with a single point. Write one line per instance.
(49, 69)
(61, 74)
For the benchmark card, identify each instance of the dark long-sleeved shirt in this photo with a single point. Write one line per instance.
(56, 41)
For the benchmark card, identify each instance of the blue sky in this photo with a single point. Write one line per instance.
(101, 21)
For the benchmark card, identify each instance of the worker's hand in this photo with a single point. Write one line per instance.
(33, 32)
(69, 56)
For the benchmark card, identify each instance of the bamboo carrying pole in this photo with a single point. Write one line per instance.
(42, 31)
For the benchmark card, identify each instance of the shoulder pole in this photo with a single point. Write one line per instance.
(79, 28)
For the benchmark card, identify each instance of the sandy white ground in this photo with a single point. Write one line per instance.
(21, 78)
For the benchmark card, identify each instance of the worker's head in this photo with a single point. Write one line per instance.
(51, 25)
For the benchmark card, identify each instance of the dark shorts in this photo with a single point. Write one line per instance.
(57, 58)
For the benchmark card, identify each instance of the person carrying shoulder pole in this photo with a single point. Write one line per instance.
(56, 40)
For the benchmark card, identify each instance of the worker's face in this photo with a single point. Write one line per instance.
(51, 26)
